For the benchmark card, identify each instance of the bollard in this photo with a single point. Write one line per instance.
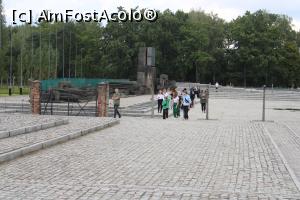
(264, 104)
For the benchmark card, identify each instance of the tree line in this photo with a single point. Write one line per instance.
(252, 50)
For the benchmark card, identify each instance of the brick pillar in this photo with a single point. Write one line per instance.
(35, 97)
(103, 99)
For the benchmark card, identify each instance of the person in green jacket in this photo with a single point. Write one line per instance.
(176, 104)
(165, 106)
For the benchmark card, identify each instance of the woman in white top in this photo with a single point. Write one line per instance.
(217, 86)
(160, 98)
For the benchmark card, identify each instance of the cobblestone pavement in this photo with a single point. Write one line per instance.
(156, 159)
(15, 121)
(75, 124)
(287, 137)
(231, 109)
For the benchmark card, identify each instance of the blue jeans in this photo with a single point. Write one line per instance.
(116, 111)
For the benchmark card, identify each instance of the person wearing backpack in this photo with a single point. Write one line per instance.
(186, 102)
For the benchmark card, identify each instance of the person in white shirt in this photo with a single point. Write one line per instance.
(160, 98)
(217, 86)
(164, 92)
(167, 93)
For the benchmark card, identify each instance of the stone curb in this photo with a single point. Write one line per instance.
(30, 129)
(8, 111)
(48, 143)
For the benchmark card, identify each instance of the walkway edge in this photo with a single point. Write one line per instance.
(34, 128)
(49, 143)
(290, 170)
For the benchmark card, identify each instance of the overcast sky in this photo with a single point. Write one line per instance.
(226, 9)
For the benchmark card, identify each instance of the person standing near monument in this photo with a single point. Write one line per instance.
(116, 101)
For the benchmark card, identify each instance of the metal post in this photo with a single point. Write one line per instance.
(51, 99)
(40, 70)
(264, 104)
(70, 46)
(40, 98)
(32, 68)
(245, 77)
(56, 54)
(49, 56)
(152, 92)
(207, 100)
(1, 28)
(21, 73)
(81, 63)
(63, 52)
(10, 66)
(75, 75)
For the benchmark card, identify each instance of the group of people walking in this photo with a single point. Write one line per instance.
(171, 99)
(180, 100)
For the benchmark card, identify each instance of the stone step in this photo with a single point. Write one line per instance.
(20, 145)
(33, 128)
